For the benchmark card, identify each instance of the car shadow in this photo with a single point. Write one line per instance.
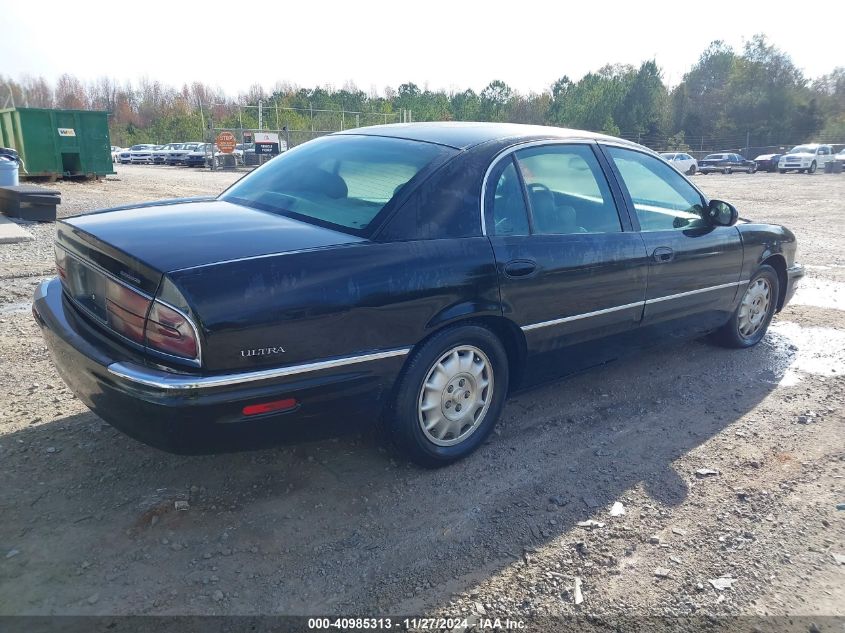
(341, 523)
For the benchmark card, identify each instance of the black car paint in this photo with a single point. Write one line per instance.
(321, 294)
(768, 164)
(732, 162)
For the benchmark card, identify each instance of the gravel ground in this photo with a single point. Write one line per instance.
(523, 528)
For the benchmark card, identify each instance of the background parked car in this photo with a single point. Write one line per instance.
(840, 156)
(684, 163)
(221, 160)
(161, 155)
(178, 156)
(767, 162)
(124, 157)
(197, 156)
(726, 163)
(142, 154)
(805, 158)
(115, 153)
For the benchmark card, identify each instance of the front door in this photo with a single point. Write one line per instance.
(694, 267)
(570, 267)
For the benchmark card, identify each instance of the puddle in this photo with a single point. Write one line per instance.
(820, 294)
(15, 308)
(819, 351)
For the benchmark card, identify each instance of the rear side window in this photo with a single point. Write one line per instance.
(510, 216)
(662, 198)
(342, 182)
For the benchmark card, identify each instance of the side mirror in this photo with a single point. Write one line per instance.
(721, 213)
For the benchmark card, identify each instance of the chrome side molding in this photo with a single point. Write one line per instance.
(586, 315)
(167, 381)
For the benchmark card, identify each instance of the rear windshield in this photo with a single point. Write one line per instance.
(715, 156)
(342, 182)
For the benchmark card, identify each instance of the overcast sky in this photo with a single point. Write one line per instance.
(446, 44)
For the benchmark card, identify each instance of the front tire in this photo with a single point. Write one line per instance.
(727, 170)
(691, 170)
(449, 396)
(750, 321)
(812, 169)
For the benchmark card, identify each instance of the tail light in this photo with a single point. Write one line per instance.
(126, 311)
(61, 263)
(143, 320)
(170, 332)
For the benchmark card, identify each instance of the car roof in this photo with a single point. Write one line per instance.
(466, 134)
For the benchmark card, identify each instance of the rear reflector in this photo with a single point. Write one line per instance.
(268, 407)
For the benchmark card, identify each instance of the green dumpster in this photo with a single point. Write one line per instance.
(56, 143)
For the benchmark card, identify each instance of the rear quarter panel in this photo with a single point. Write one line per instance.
(337, 301)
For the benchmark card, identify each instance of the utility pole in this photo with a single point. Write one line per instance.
(260, 115)
(747, 143)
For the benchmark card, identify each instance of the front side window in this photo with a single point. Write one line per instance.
(662, 198)
(342, 182)
(567, 190)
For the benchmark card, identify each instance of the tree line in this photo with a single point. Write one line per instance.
(727, 99)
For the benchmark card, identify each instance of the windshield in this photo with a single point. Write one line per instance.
(714, 157)
(803, 149)
(138, 148)
(342, 182)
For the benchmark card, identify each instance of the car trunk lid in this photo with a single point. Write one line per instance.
(147, 240)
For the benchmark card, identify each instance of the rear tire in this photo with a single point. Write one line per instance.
(781, 171)
(750, 321)
(727, 170)
(460, 367)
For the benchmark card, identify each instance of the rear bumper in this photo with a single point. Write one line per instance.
(191, 413)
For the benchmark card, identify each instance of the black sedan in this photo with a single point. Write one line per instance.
(767, 162)
(726, 163)
(410, 274)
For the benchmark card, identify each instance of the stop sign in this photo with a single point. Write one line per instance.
(226, 142)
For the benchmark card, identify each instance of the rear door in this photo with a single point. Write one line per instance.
(570, 266)
(694, 267)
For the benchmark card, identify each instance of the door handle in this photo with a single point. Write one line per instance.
(520, 268)
(663, 254)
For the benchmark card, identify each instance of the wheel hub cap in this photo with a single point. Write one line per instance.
(455, 395)
(754, 307)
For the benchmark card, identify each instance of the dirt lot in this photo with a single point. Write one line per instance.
(346, 526)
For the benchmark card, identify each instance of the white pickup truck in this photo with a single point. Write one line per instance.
(807, 158)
